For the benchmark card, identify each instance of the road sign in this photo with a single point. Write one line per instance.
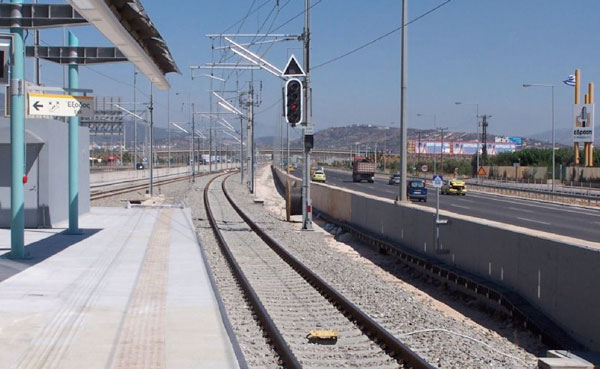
(60, 105)
(424, 168)
(293, 68)
(481, 172)
(437, 181)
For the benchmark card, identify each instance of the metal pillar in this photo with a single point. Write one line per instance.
(403, 124)
(251, 136)
(241, 150)
(306, 200)
(193, 144)
(151, 108)
(134, 122)
(210, 124)
(73, 146)
(169, 125)
(17, 135)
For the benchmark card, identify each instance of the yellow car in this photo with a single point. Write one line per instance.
(318, 176)
(291, 168)
(454, 187)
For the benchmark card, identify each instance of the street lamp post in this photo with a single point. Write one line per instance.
(553, 140)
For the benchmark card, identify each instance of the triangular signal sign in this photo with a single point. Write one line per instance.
(481, 172)
(293, 68)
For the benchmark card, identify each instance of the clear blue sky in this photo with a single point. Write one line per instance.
(475, 51)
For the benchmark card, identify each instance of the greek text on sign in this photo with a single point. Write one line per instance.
(583, 119)
(60, 105)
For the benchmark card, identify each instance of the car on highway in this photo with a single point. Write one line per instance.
(454, 187)
(394, 179)
(415, 189)
(319, 176)
(291, 168)
(313, 169)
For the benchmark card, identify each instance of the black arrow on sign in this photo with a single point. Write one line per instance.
(37, 105)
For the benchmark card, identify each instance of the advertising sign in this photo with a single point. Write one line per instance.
(583, 120)
(516, 140)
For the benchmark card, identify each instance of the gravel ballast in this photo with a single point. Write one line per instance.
(448, 331)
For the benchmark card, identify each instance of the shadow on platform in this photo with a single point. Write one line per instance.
(41, 250)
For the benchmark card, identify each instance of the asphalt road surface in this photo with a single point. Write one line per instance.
(554, 218)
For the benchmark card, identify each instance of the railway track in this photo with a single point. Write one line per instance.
(127, 187)
(289, 300)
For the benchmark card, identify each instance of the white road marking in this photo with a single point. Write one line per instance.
(527, 202)
(460, 206)
(535, 221)
(525, 210)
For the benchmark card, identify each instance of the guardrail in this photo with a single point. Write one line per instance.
(547, 194)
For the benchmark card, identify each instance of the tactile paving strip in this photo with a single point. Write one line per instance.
(141, 343)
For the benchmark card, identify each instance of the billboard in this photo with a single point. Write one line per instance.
(465, 148)
(516, 140)
(462, 147)
(583, 123)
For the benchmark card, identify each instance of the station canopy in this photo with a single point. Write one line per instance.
(126, 24)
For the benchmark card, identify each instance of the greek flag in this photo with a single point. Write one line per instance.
(570, 81)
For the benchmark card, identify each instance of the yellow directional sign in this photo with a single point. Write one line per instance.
(60, 105)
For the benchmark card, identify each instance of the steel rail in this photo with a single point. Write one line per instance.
(118, 191)
(394, 347)
(285, 353)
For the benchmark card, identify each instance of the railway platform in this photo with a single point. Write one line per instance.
(131, 291)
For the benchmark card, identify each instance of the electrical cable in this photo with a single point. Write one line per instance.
(268, 108)
(380, 37)
(297, 15)
(243, 19)
(463, 336)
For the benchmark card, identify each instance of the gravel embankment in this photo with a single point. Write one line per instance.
(447, 330)
(293, 304)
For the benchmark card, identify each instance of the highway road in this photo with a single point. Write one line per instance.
(554, 218)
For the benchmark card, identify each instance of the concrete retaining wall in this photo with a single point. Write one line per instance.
(558, 275)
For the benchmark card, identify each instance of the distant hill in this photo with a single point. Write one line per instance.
(386, 138)
(563, 136)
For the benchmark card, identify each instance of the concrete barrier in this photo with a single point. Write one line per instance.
(557, 275)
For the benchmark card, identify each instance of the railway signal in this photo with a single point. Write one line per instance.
(294, 96)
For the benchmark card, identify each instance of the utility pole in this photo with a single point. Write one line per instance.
(419, 149)
(307, 131)
(403, 124)
(484, 125)
(241, 149)
(442, 149)
(134, 122)
(210, 123)
(193, 143)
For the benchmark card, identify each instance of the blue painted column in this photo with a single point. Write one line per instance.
(73, 146)
(17, 135)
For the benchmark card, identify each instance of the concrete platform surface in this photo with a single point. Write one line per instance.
(132, 291)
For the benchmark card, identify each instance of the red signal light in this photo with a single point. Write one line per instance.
(294, 106)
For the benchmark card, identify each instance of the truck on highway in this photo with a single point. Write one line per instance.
(363, 168)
